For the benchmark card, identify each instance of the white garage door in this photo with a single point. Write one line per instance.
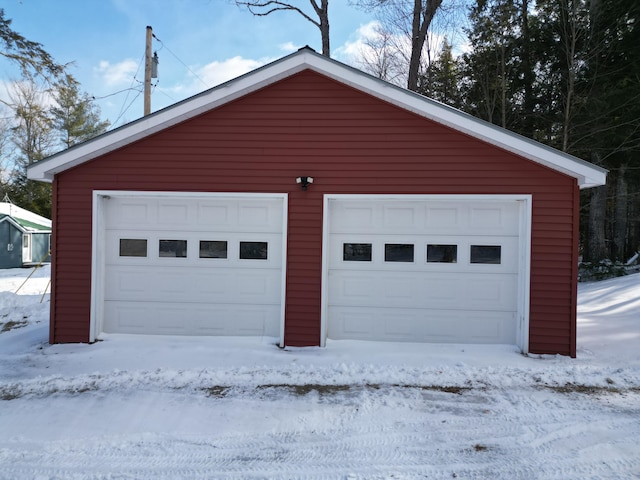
(423, 270)
(193, 266)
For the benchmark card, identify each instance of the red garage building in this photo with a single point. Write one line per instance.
(308, 200)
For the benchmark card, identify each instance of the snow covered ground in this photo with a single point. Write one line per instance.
(137, 407)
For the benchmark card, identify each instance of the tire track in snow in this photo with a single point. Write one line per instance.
(414, 434)
(328, 458)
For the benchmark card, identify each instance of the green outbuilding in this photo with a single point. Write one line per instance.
(25, 237)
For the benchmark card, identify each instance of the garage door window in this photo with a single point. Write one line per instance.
(253, 250)
(398, 252)
(356, 252)
(173, 248)
(442, 253)
(133, 247)
(213, 249)
(490, 254)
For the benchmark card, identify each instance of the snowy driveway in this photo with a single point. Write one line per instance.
(137, 407)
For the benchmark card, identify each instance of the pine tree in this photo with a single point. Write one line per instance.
(31, 57)
(443, 77)
(74, 116)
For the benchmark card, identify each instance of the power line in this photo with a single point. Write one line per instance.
(125, 107)
(112, 94)
(185, 65)
(165, 94)
(122, 108)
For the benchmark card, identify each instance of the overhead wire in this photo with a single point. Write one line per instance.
(126, 106)
(165, 94)
(114, 93)
(163, 45)
(123, 110)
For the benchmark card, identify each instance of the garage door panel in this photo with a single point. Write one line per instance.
(451, 274)
(416, 325)
(174, 214)
(185, 285)
(350, 324)
(191, 319)
(229, 320)
(216, 214)
(354, 217)
(129, 213)
(407, 218)
(210, 265)
(420, 291)
(255, 216)
(436, 217)
(470, 327)
(355, 288)
(229, 215)
(443, 218)
(400, 288)
(256, 320)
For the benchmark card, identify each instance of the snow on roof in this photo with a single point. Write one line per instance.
(29, 221)
(587, 174)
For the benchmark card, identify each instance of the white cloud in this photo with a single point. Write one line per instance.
(215, 73)
(288, 47)
(212, 74)
(118, 74)
(351, 51)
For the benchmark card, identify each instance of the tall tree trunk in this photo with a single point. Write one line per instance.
(620, 216)
(634, 221)
(262, 8)
(417, 43)
(421, 20)
(571, 31)
(596, 247)
(322, 11)
(529, 101)
(503, 85)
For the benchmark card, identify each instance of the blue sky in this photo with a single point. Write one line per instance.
(202, 43)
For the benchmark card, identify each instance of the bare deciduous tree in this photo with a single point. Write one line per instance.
(320, 17)
(33, 130)
(381, 56)
(423, 13)
(32, 135)
(413, 19)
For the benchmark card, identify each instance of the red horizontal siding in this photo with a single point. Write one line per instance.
(350, 143)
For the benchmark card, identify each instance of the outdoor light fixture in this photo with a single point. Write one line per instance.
(304, 182)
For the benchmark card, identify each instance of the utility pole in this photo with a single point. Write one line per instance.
(147, 72)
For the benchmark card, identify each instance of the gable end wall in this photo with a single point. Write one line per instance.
(350, 143)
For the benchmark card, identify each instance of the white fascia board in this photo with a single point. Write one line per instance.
(588, 175)
(22, 229)
(146, 126)
(14, 223)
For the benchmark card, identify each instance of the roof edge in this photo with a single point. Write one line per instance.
(586, 174)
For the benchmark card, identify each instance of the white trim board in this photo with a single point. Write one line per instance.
(586, 174)
(13, 222)
(98, 245)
